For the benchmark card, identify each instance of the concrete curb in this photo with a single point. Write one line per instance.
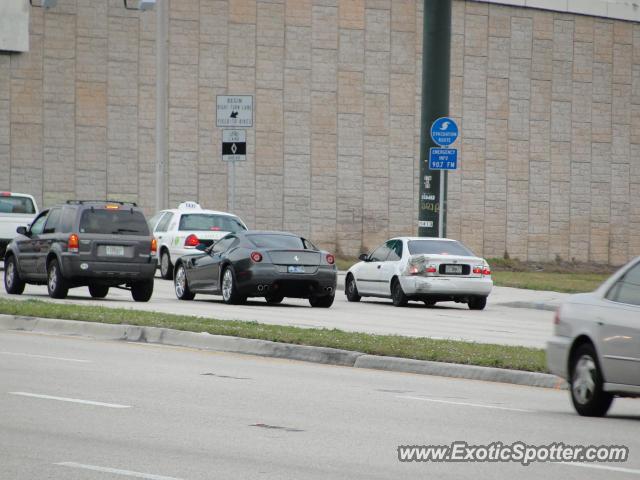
(265, 348)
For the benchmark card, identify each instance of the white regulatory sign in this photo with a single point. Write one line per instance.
(234, 145)
(234, 111)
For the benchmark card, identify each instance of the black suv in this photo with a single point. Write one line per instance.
(99, 244)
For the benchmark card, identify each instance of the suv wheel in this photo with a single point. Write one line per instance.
(230, 293)
(98, 291)
(181, 284)
(56, 284)
(351, 290)
(589, 399)
(13, 284)
(166, 267)
(142, 291)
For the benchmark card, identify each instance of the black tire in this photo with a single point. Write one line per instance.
(142, 291)
(351, 289)
(98, 291)
(274, 299)
(322, 302)
(181, 284)
(589, 399)
(429, 303)
(56, 283)
(229, 290)
(397, 294)
(13, 284)
(477, 303)
(166, 267)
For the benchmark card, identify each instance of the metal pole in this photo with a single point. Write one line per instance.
(233, 186)
(162, 29)
(436, 55)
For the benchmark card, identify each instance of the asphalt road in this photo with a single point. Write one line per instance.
(496, 324)
(161, 412)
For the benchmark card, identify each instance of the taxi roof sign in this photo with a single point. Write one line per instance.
(189, 206)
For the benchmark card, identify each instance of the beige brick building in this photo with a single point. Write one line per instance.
(548, 103)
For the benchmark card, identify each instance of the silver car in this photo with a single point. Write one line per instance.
(596, 343)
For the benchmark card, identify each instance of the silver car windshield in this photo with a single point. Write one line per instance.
(438, 247)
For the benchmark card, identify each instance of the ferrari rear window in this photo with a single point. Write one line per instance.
(438, 247)
(206, 222)
(271, 240)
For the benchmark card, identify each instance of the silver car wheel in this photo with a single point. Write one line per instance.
(53, 277)
(9, 274)
(180, 282)
(227, 285)
(583, 383)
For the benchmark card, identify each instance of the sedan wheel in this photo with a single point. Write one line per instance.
(397, 294)
(230, 293)
(181, 285)
(587, 394)
(351, 290)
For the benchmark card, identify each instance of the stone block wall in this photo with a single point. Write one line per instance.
(548, 103)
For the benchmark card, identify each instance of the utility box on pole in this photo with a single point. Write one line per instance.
(436, 60)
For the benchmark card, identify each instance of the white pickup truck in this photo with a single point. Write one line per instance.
(16, 210)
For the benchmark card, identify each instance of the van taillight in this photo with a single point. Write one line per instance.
(74, 243)
(154, 246)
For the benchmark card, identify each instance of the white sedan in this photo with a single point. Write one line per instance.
(181, 230)
(596, 342)
(425, 269)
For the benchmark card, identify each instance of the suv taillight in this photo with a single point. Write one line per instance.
(191, 241)
(154, 246)
(73, 244)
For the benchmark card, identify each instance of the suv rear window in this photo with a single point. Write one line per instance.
(115, 222)
(438, 247)
(209, 222)
(15, 204)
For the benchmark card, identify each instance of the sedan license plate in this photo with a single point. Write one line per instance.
(114, 251)
(453, 269)
(295, 269)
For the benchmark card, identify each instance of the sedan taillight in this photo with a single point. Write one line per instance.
(256, 257)
(191, 241)
(331, 259)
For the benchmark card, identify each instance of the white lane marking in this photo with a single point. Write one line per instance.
(46, 357)
(115, 471)
(602, 467)
(465, 404)
(72, 400)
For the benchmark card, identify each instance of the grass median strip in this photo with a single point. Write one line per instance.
(453, 351)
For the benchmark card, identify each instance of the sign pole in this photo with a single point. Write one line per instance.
(436, 56)
(233, 186)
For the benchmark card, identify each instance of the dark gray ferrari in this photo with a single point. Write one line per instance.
(273, 265)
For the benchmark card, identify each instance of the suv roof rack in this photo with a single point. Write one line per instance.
(82, 202)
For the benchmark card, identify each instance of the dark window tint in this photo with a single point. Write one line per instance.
(438, 247)
(627, 289)
(164, 223)
(13, 204)
(38, 224)
(53, 221)
(395, 247)
(117, 222)
(205, 222)
(380, 254)
(68, 218)
(271, 240)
